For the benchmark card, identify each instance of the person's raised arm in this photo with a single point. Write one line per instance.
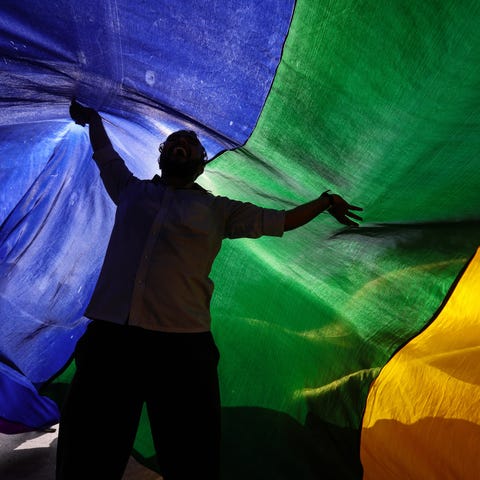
(334, 204)
(83, 115)
(115, 174)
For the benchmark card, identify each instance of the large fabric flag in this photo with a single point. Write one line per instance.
(344, 353)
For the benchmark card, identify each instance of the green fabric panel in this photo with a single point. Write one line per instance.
(377, 101)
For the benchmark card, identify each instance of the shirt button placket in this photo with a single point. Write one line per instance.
(139, 290)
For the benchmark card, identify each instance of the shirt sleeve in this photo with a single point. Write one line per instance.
(245, 220)
(113, 171)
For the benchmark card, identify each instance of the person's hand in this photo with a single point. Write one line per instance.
(80, 115)
(340, 210)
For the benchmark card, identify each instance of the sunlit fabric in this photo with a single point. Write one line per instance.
(427, 398)
(377, 101)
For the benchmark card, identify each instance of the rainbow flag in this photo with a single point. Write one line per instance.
(345, 353)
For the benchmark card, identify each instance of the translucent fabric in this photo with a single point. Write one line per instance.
(377, 101)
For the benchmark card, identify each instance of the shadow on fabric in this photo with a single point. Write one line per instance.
(262, 444)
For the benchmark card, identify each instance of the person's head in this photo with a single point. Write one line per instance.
(182, 156)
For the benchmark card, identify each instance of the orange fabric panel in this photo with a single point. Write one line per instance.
(422, 418)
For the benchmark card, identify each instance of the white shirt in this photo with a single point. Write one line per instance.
(164, 240)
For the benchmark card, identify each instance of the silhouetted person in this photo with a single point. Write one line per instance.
(149, 340)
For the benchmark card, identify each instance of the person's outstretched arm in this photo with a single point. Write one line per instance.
(334, 204)
(85, 115)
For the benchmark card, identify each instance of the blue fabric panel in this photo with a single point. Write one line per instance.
(29, 411)
(49, 260)
(149, 67)
(206, 63)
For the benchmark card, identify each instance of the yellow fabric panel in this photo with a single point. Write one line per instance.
(422, 418)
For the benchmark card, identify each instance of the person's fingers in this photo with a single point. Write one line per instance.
(353, 215)
(354, 207)
(78, 113)
(351, 223)
(343, 219)
(341, 212)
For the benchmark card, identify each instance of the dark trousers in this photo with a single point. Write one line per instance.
(119, 368)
